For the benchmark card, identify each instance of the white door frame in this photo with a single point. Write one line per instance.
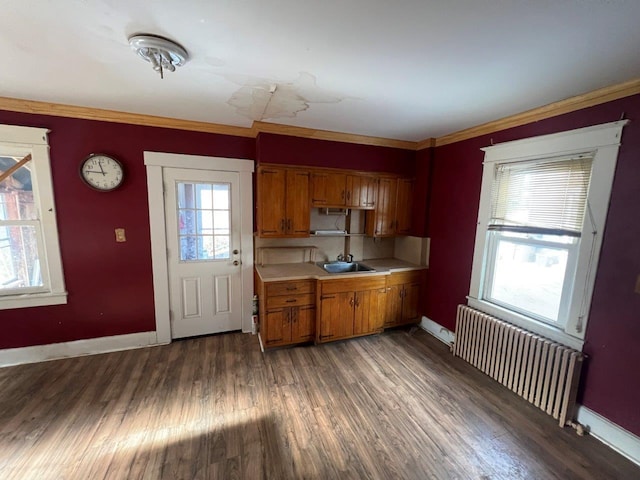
(155, 162)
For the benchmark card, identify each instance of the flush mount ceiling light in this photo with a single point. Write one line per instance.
(161, 53)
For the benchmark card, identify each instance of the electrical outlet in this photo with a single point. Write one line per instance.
(637, 290)
(120, 236)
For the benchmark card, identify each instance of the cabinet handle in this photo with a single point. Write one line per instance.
(291, 300)
(282, 225)
(348, 196)
(289, 224)
(291, 289)
(351, 302)
(357, 301)
(324, 297)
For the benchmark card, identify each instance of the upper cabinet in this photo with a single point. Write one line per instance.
(285, 195)
(282, 204)
(328, 189)
(392, 215)
(334, 189)
(362, 191)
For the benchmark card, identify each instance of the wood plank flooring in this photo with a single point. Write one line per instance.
(384, 407)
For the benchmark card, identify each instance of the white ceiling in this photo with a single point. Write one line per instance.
(404, 69)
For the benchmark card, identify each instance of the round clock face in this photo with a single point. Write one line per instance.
(102, 172)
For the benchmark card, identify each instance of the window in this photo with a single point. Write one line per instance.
(542, 210)
(30, 265)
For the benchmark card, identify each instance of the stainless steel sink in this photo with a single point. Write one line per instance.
(344, 267)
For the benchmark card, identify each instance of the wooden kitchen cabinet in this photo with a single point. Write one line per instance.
(403, 298)
(328, 189)
(287, 312)
(393, 213)
(351, 307)
(361, 191)
(404, 206)
(282, 205)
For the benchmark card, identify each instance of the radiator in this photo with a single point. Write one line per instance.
(541, 371)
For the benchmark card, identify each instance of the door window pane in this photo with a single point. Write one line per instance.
(204, 221)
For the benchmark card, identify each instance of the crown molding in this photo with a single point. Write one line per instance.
(265, 127)
(90, 113)
(578, 102)
(590, 99)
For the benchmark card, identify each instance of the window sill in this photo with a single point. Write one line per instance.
(543, 329)
(32, 300)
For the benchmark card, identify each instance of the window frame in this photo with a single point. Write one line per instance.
(18, 141)
(602, 142)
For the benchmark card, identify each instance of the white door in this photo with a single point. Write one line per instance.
(203, 251)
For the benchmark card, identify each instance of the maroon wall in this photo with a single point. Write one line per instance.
(109, 284)
(611, 384)
(289, 150)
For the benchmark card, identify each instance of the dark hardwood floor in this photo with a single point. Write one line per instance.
(383, 407)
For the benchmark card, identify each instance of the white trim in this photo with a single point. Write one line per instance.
(622, 441)
(27, 136)
(557, 144)
(198, 162)
(607, 432)
(92, 346)
(155, 162)
(601, 141)
(443, 334)
(21, 141)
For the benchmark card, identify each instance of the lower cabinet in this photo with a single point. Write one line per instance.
(289, 325)
(351, 307)
(403, 298)
(287, 312)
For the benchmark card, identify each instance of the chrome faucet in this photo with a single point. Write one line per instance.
(345, 258)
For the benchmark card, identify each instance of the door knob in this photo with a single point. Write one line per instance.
(236, 262)
(236, 251)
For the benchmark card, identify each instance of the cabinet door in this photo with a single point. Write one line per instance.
(354, 190)
(336, 315)
(384, 221)
(393, 309)
(303, 323)
(410, 299)
(276, 327)
(369, 311)
(297, 208)
(368, 192)
(328, 189)
(404, 206)
(271, 204)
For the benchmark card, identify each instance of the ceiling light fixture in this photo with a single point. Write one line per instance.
(163, 54)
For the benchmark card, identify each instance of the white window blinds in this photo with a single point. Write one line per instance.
(547, 196)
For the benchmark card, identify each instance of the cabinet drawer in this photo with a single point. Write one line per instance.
(291, 288)
(368, 282)
(399, 278)
(290, 300)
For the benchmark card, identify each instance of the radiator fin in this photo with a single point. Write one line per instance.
(543, 372)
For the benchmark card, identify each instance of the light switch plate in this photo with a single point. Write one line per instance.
(120, 236)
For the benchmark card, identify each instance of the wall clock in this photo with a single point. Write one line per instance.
(102, 172)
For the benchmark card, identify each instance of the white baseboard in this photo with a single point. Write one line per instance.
(92, 346)
(611, 434)
(441, 333)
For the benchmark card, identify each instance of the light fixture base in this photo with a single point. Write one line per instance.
(163, 54)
